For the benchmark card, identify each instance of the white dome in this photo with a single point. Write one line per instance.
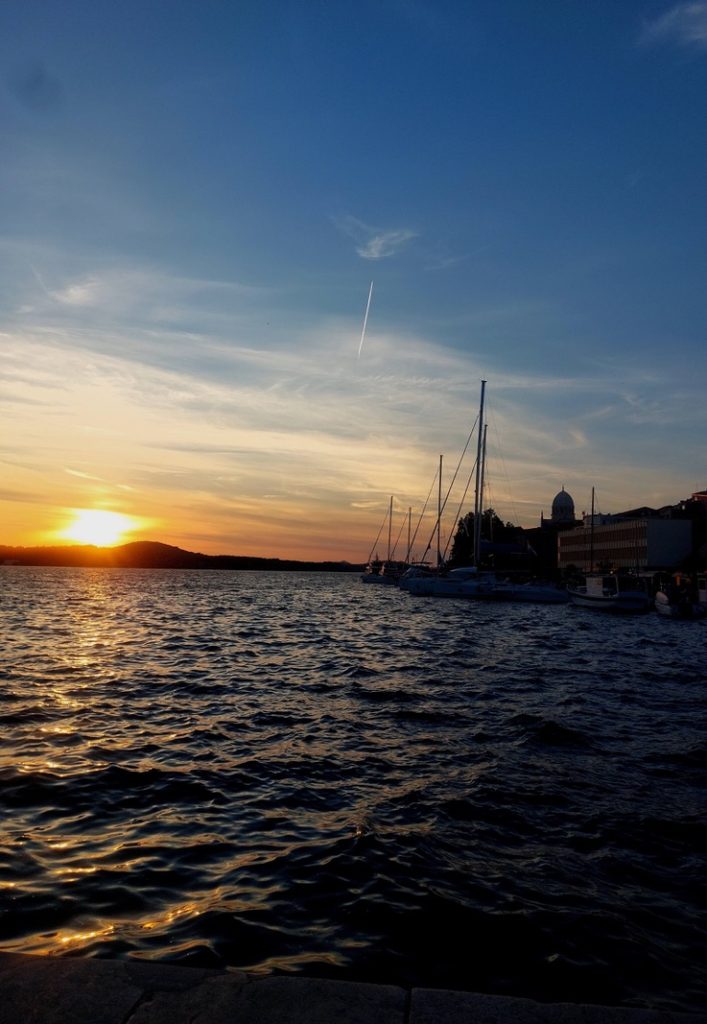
(563, 508)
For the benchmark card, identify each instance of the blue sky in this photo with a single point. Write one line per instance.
(195, 197)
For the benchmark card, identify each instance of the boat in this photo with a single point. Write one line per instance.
(472, 581)
(681, 597)
(484, 585)
(416, 571)
(465, 581)
(461, 581)
(608, 591)
(611, 592)
(419, 577)
(386, 572)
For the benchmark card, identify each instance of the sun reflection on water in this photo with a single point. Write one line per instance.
(206, 769)
(170, 916)
(76, 938)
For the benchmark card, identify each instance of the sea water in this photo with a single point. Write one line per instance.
(291, 772)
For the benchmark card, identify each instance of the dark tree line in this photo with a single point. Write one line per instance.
(493, 531)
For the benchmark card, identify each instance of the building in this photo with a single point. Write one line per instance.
(542, 540)
(637, 543)
(562, 511)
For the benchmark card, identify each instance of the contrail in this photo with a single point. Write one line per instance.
(365, 320)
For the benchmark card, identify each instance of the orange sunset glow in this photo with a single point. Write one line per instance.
(255, 365)
(99, 527)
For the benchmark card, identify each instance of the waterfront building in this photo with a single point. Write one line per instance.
(620, 543)
(562, 513)
(542, 540)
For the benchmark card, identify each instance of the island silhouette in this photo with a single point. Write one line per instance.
(147, 554)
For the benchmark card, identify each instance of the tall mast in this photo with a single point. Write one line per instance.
(439, 515)
(407, 553)
(390, 525)
(591, 537)
(477, 490)
(481, 485)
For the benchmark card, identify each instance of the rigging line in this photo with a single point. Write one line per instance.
(402, 527)
(512, 503)
(461, 504)
(461, 458)
(454, 478)
(380, 531)
(422, 514)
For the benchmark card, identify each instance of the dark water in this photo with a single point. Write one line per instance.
(288, 772)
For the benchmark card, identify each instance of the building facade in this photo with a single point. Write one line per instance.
(626, 544)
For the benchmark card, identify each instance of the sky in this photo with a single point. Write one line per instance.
(195, 197)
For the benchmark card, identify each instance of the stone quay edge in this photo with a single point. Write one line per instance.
(66, 990)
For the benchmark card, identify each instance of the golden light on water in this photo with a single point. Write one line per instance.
(80, 938)
(99, 527)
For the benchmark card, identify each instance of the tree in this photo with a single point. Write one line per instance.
(492, 529)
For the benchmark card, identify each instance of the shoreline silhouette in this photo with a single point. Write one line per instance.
(155, 555)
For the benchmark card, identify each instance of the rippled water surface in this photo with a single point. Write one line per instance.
(297, 772)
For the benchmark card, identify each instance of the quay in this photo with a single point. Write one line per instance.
(66, 990)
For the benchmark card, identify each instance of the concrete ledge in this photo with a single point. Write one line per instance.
(432, 1006)
(57, 990)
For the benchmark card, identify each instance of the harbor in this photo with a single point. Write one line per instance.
(293, 773)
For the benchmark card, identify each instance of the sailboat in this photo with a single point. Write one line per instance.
(375, 570)
(465, 581)
(418, 578)
(389, 571)
(472, 581)
(606, 591)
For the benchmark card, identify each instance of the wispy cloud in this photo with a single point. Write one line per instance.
(82, 476)
(685, 24)
(83, 293)
(241, 425)
(143, 289)
(375, 243)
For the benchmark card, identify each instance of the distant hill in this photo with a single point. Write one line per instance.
(148, 554)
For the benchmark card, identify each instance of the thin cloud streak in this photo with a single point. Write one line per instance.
(267, 420)
(685, 24)
(375, 243)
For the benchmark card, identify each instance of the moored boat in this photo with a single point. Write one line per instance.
(679, 597)
(465, 581)
(387, 573)
(611, 592)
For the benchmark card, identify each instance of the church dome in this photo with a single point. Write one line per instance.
(563, 508)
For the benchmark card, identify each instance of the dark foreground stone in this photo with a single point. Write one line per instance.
(54, 990)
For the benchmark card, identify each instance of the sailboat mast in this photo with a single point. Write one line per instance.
(481, 485)
(477, 495)
(407, 553)
(439, 515)
(591, 537)
(390, 525)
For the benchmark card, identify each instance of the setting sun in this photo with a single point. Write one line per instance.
(96, 526)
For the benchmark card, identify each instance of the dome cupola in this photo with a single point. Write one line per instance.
(563, 508)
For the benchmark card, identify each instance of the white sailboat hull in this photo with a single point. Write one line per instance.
(610, 594)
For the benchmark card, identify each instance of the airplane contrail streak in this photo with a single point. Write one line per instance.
(365, 321)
